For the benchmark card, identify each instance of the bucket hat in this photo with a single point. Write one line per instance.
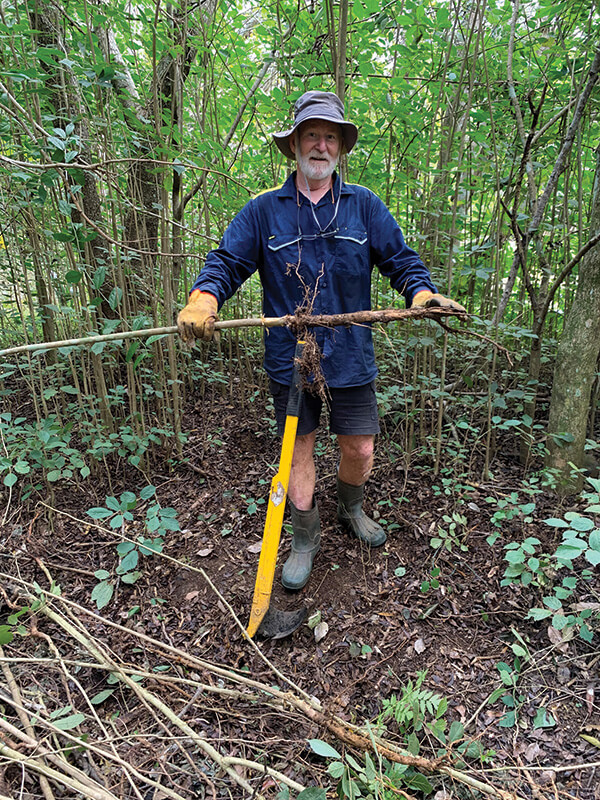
(317, 105)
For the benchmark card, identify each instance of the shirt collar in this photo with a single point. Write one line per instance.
(289, 187)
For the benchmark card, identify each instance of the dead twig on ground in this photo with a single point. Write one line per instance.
(352, 735)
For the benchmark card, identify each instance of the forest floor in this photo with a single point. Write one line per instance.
(385, 626)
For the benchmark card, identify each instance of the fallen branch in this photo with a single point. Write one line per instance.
(353, 735)
(296, 323)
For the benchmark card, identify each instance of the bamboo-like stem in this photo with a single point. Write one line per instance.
(25, 721)
(73, 771)
(352, 735)
(227, 764)
(82, 783)
(289, 320)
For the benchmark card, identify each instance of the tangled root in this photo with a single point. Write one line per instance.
(310, 365)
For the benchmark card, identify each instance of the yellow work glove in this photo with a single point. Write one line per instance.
(197, 319)
(427, 299)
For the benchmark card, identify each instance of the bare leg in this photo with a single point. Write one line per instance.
(302, 478)
(357, 458)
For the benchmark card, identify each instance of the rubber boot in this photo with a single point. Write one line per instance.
(306, 543)
(354, 519)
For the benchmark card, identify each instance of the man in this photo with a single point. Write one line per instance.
(314, 241)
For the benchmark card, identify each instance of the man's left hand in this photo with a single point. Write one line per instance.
(427, 299)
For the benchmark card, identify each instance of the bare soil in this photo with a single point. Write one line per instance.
(384, 627)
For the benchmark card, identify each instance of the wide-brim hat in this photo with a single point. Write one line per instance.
(317, 105)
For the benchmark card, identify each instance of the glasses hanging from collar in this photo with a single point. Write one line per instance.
(324, 233)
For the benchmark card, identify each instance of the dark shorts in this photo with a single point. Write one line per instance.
(352, 411)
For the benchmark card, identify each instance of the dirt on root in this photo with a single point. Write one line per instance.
(385, 625)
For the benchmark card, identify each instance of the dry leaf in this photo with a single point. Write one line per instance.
(560, 638)
(191, 595)
(589, 699)
(419, 646)
(321, 631)
(206, 552)
(256, 547)
(590, 739)
(585, 606)
(532, 752)
(554, 635)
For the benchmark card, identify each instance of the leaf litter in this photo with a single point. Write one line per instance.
(378, 629)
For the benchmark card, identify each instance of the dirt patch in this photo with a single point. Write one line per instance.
(388, 621)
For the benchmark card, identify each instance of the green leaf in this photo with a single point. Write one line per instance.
(586, 634)
(593, 557)
(579, 523)
(354, 763)
(419, 782)
(70, 722)
(508, 720)
(594, 539)
(129, 562)
(102, 594)
(336, 769)
(102, 574)
(323, 749)
(99, 513)
(147, 492)
(539, 613)
(556, 523)
(169, 524)
(456, 731)
(101, 696)
(10, 479)
(73, 276)
(60, 712)
(6, 634)
(128, 499)
(552, 602)
(115, 297)
(543, 719)
(312, 793)
(131, 577)
(565, 552)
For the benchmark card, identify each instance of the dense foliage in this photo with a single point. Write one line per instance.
(131, 135)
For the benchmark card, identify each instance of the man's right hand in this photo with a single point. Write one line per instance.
(197, 319)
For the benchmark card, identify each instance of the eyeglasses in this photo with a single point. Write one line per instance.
(311, 237)
(324, 233)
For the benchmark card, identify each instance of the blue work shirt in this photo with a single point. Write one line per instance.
(324, 263)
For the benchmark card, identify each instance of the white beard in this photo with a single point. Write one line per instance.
(316, 170)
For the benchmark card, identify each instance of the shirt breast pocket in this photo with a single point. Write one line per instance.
(283, 243)
(352, 251)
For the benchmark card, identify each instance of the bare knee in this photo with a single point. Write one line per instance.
(356, 448)
(357, 458)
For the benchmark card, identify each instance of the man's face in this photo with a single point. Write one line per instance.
(316, 145)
